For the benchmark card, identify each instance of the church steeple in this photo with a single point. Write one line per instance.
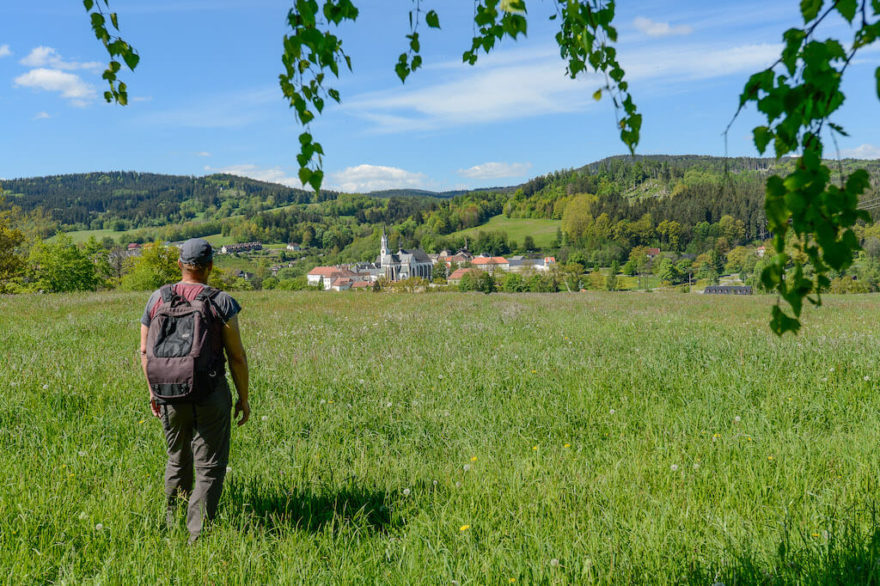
(384, 243)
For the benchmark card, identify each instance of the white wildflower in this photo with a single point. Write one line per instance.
(264, 418)
(554, 562)
(45, 387)
(611, 412)
(737, 419)
(406, 492)
(389, 404)
(466, 467)
(99, 527)
(82, 516)
(674, 467)
(867, 378)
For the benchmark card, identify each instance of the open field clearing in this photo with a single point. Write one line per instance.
(543, 231)
(557, 438)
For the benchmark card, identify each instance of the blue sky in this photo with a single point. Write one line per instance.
(205, 96)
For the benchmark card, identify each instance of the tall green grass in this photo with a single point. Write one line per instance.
(649, 438)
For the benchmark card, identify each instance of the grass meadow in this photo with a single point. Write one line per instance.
(425, 439)
(543, 231)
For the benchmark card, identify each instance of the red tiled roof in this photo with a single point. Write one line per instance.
(361, 284)
(459, 273)
(331, 272)
(492, 260)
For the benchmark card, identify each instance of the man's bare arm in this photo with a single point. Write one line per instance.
(238, 366)
(153, 406)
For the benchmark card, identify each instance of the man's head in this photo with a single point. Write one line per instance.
(196, 258)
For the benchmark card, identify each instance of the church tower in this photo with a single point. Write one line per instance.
(383, 247)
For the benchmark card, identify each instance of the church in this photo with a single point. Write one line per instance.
(404, 264)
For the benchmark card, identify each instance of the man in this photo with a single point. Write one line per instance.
(197, 432)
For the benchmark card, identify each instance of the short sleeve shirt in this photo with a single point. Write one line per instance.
(225, 306)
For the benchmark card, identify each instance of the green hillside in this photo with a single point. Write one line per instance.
(543, 231)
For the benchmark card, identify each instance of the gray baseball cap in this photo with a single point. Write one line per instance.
(196, 251)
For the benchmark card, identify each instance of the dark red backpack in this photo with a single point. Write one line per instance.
(185, 347)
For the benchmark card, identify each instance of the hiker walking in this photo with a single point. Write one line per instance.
(188, 330)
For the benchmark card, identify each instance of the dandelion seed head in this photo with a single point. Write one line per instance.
(82, 516)
(99, 527)
(436, 483)
(737, 419)
(674, 467)
(867, 378)
(611, 412)
(389, 404)
(458, 485)
(554, 562)
(466, 467)
(45, 387)
(406, 492)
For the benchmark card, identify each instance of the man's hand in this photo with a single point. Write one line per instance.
(154, 407)
(242, 406)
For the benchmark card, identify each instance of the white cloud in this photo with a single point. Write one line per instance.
(523, 83)
(660, 29)
(865, 151)
(42, 116)
(365, 178)
(271, 175)
(5, 51)
(494, 90)
(69, 85)
(49, 57)
(691, 62)
(496, 170)
(203, 154)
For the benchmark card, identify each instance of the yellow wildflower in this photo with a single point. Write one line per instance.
(464, 527)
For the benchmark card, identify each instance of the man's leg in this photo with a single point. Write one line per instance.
(210, 446)
(177, 422)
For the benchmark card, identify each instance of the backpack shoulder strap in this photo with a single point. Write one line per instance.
(167, 292)
(208, 292)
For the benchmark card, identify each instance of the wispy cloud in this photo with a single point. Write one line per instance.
(42, 116)
(221, 111)
(865, 151)
(69, 85)
(5, 51)
(660, 29)
(203, 154)
(271, 174)
(365, 178)
(524, 83)
(495, 170)
(49, 57)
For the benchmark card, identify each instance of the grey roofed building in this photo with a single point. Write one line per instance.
(405, 263)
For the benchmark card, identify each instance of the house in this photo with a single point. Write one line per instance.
(652, 252)
(455, 277)
(362, 285)
(341, 284)
(243, 247)
(760, 251)
(491, 263)
(327, 275)
(294, 247)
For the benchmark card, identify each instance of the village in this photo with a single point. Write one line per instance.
(405, 264)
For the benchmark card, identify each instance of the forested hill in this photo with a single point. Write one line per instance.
(122, 200)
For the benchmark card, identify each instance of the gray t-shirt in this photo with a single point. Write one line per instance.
(225, 306)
